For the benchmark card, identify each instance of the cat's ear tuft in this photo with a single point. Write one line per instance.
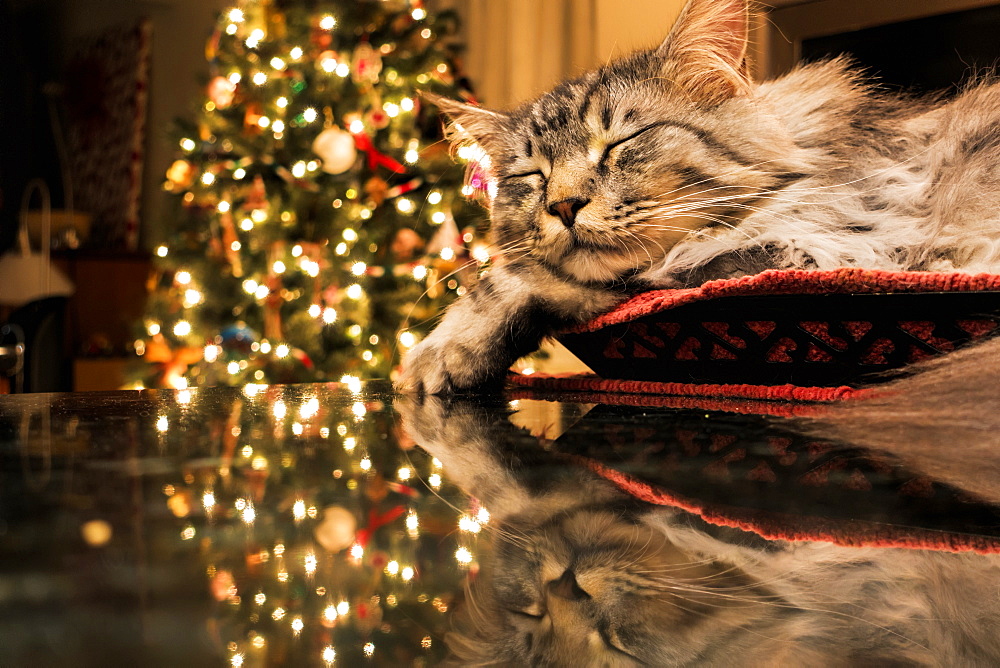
(468, 123)
(706, 51)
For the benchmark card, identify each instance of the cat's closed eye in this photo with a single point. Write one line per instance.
(522, 175)
(618, 142)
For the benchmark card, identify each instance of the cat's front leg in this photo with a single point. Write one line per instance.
(503, 317)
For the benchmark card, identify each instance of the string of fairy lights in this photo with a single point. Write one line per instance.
(296, 568)
(313, 184)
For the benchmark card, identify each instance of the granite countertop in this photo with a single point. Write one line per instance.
(329, 524)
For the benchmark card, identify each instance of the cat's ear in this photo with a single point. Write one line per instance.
(469, 123)
(706, 50)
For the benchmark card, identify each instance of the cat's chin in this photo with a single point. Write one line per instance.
(599, 266)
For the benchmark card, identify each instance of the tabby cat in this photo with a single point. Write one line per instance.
(583, 575)
(671, 167)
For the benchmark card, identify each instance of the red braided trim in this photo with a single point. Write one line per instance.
(796, 281)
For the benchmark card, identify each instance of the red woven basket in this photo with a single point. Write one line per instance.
(803, 328)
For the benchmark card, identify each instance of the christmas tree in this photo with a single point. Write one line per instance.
(320, 223)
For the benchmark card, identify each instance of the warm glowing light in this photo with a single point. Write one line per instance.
(235, 78)
(249, 515)
(188, 144)
(434, 480)
(183, 277)
(296, 52)
(405, 205)
(420, 272)
(310, 115)
(182, 328)
(412, 156)
(358, 268)
(357, 551)
(466, 523)
(310, 563)
(281, 350)
(369, 649)
(278, 267)
(391, 109)
(278, 127)
(277, 63)
(483, 516)
(406, 104)
(407, 573)
(350, 443)
(314, 310)
(278, 614)
(263, 121)
(463, 555)
(447, 253)
(438, 217)
(253, 41)
(235, 15)
(236, 660)
(250, 287)
(343, 70)
(259, 78)
(419, 14)
(208, 178)
(261, 292)
(281, 102)
(392, 568)
(327, 22)
(407, 339)
(350, 235)
(330, 613)
(265, 347)
(279, 410)
(365, 464)
(404, 473)
(208, 500)
(192, 298)
(233, 368)
(329, 654)
(297, 625)
(299, 169)
(329, 316)
(481, 254)
(260, 598)
(354, 291)
(356, 126)
(328, 65)
(309, 409)
(162, 424)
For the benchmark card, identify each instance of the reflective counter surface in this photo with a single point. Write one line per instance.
(315, 525)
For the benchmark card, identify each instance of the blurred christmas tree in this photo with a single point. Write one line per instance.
(318, 212)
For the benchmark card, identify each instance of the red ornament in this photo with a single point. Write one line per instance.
(221, 92)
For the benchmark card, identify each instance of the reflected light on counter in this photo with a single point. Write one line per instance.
(96, 533)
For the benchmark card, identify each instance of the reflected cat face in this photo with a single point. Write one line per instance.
(592, 587)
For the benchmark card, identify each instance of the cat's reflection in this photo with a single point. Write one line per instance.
(582, 574)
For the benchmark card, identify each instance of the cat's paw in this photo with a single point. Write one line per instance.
(440, 367)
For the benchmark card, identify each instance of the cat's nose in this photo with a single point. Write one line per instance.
(567, 208)
(567, 587)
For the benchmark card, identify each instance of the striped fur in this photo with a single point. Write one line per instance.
(671, 168)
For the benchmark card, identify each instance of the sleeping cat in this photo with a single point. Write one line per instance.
(583, 575)
(671, 167)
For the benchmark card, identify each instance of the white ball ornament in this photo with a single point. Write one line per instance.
(336, 148)
(336, 531)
